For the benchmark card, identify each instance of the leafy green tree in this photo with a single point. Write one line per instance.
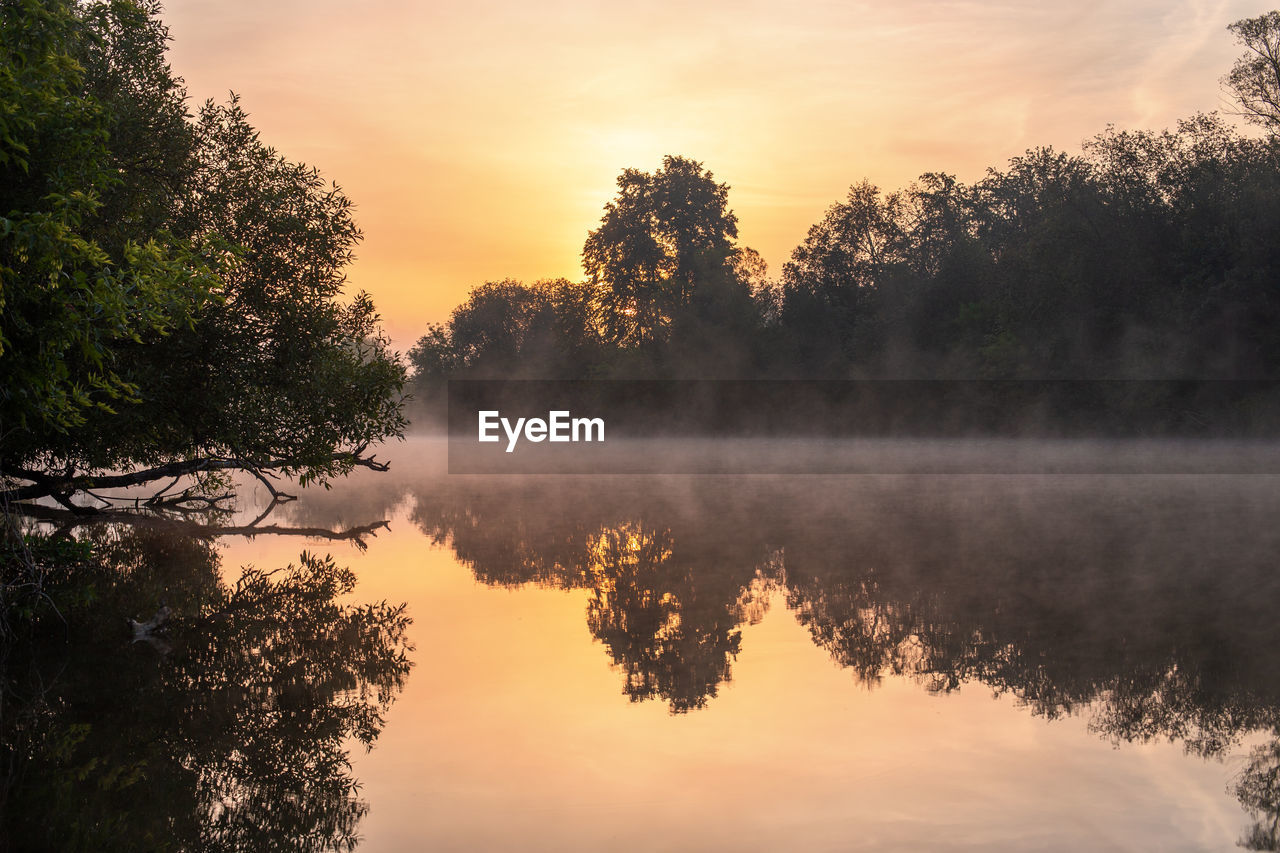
(222, 336)
(70, 294)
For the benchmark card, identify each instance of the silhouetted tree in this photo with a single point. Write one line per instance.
(1149, 255)
(665, 624)
(1255, 78)
(663, 234)
(830, 285)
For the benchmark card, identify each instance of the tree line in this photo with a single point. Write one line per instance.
(1146, 255)
(171, 287)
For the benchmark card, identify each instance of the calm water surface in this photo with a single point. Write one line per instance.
(1069, 662)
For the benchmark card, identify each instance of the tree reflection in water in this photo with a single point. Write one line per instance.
(1143, 603)
(228, 732)
(1258, 789)
(670, 627)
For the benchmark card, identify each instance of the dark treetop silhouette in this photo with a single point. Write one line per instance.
(1150, 255)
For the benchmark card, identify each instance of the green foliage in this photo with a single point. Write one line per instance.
(69, 298)
(281, 368)
(172, 286)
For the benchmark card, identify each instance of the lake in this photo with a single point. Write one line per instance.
(856, 662)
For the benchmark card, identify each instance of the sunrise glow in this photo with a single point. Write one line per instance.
(480, 141)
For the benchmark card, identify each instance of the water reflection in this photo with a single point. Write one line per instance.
(1145, 604)
(669, 625)
(1258, 789)
(216, 521)
(1046, 590)
(225, 727)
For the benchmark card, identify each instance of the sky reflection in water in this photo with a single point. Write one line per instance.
(1074, 662)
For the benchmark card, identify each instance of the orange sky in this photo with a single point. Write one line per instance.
(481, 139)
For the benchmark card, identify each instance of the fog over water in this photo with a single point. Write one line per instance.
(1009, 661)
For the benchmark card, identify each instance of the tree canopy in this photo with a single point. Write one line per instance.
(76, 283)
(172, 286)
(1148, 255)
(664, 234)
(1255, 78)
(668, 290)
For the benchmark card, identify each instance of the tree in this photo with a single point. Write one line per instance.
(243, 354)
(544, 330)
(499, 323)
(830, 284)
(71, 295)
(1255, 78)
(662, 235)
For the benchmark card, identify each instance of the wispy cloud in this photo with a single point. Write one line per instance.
(481, 139)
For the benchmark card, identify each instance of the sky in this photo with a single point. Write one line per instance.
(480, 140)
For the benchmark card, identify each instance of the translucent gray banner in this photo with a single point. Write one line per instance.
(863, 427)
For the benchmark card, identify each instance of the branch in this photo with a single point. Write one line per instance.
(276, 495)
(69, 521)
(60, 487)
(365, 462)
